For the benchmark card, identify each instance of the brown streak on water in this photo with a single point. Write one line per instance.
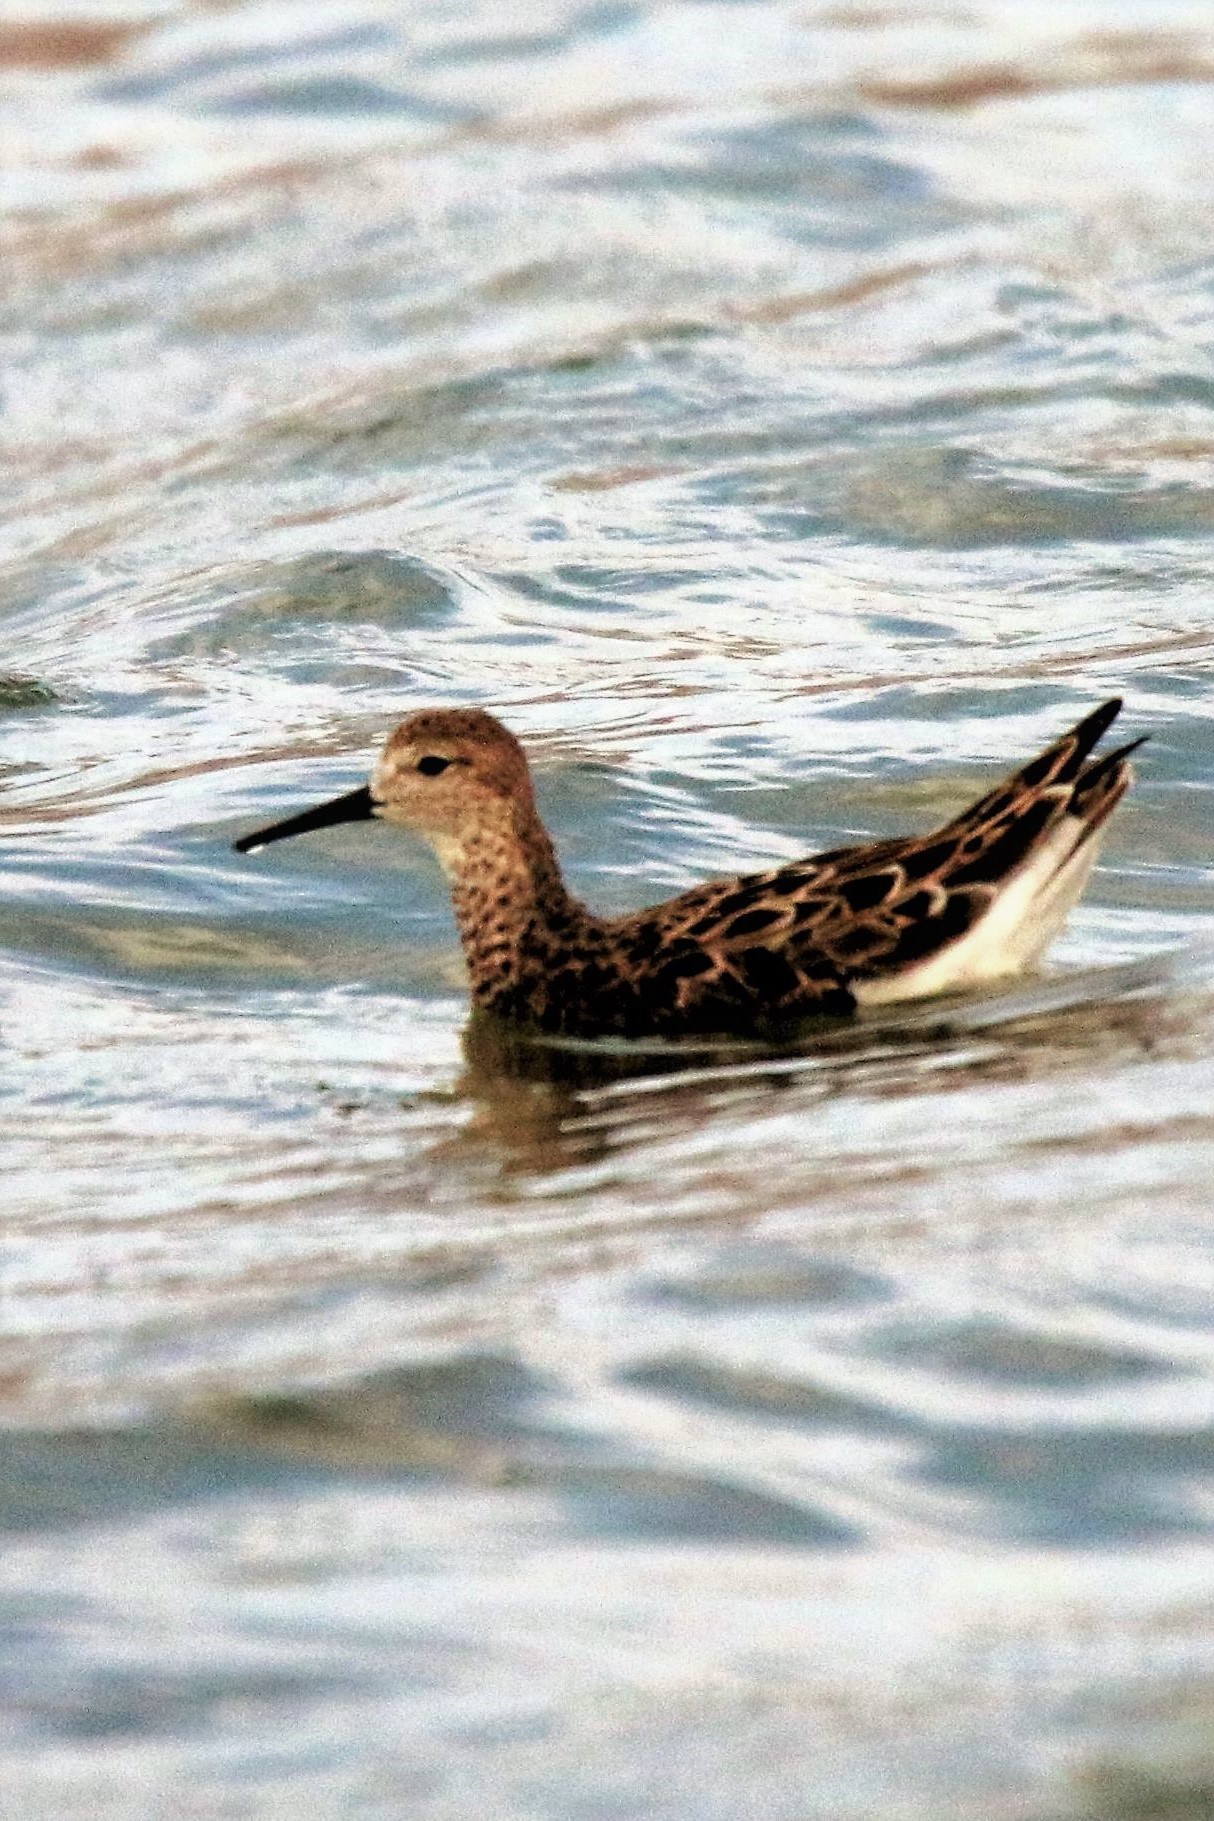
(1096, 60)
(67, 43)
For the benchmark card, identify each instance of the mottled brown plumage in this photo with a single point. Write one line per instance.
(977, 898)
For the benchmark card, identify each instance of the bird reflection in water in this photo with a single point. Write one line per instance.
(548, 1105)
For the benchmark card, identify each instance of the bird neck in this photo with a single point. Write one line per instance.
(514, 912)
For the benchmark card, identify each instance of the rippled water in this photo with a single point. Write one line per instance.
(785, 416)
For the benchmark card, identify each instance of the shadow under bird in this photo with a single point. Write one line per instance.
(976, 899)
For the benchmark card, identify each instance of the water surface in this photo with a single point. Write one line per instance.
(785, 417)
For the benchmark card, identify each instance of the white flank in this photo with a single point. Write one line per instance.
(1025, 916)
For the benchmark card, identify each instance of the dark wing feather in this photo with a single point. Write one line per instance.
(688, 985)
(944, 883)
(762, 985)
(796, 935)
(1058, 764)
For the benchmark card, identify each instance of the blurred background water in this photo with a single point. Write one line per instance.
(785, 415)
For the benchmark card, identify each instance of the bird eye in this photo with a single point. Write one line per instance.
(431, 765)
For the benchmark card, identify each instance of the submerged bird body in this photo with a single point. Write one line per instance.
(977, 899)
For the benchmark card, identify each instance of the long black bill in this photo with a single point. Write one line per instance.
(355, 806)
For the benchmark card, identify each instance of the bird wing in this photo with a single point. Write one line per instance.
(798, 934)
(715, 987)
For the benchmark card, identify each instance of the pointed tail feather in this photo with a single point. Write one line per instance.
(1081, 740)
(999, 881)
(1060, 763)
(1107, 762)
(1101, 787)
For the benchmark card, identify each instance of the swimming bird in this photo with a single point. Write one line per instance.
(976, 899)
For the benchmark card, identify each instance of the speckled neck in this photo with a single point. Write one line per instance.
(514, 913)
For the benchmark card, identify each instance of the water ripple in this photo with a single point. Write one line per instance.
(784, 417)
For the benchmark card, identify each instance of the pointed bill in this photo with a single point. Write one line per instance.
(355, 806)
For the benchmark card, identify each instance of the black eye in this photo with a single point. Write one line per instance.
(431, 765)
